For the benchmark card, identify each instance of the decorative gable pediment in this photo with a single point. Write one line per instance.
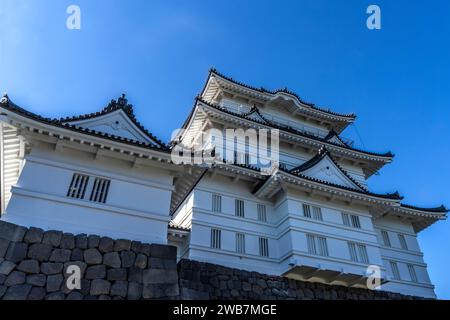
(117, 119)
(323, 167)
(116, 123)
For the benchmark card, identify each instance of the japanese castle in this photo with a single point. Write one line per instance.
(310, 218)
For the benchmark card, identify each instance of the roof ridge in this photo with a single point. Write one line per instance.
(440, 209)
(120, 104)
(57, 122)
(284, 90)
(289, 129)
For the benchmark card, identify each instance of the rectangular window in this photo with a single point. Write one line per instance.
(306, 210)
(216, 203)
(77, 188)
(100, 190)
(323, 248)
(362, 250)
(240, 243)
(317, 245)
(402, 240)
(386, 240)
(311, 244)
(395, 272)
(412, 273)
(262, 216)
(239, 208)
(263, 247)
(216, 236)
(345, 219)
(355, 222)
(358, 252)
(352, 251)
(317, 213)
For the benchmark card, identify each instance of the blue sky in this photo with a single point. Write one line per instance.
(397, 79)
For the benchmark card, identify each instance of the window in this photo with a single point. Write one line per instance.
(263, 247)
(78, 185)
(323, 248)
(412, 273)
(311, 244)
(216, 203)
(350, 220)
(362, 250)
(240, 242)
(100, 190)
(239, 208)
(306, 210)
(395, 272)
(317, 245)
(262, 216)
(402, 240)
(386, 240)
(317, 213)
(352, 250)
(345, 219)
(358, 252)
(216, 235)
(355, 222)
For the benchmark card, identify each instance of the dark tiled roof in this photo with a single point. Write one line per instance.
(392, 196)
(120, 104)
(6, 103)
(322, 153)
(287, 128)
(332, 134)
(351, 116)
(440, 209)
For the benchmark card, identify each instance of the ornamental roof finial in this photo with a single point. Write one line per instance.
(4, 98)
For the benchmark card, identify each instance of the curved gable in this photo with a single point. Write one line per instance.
(324, 168)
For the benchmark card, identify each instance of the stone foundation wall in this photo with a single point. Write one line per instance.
(199, 280)
(33, 266)
(34, 263)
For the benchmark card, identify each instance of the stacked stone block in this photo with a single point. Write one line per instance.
(34, 263)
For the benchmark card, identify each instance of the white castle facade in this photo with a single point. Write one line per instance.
(311, 218)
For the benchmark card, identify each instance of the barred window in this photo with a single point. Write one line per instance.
(395, 271)
(352, 251)
(412, 273)
(355, 222)
(77, 188)
(317, 245)
(311, 244)
(358, 252)
(345, 219)
(262, 216)
(240, 243)
(362, 250)
(100, 190)
(402, 240)
(216, 203)
(306, 210)
(239, 208)
(317, 213)
(263, 247)
(216, 236)
(386, 240)
(323, 247)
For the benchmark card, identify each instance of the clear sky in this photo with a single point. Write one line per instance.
(397, 79)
